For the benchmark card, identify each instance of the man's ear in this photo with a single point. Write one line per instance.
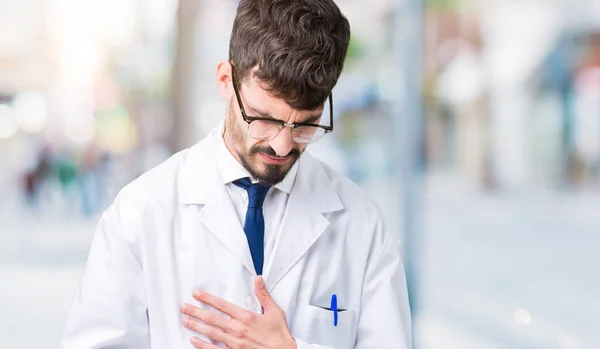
(224, 83)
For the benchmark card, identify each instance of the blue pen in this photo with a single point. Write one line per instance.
(334, 308)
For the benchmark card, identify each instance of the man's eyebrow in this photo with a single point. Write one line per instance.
(259, 113)
(311, 119)
(262, 114)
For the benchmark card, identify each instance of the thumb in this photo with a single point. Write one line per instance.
(263, 295)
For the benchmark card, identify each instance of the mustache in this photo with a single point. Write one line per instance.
(294, 153)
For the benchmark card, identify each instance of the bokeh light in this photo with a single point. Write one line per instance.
(8, 123)
(522, 317)
(31, 111)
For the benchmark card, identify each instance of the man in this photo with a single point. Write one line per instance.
(241, 241)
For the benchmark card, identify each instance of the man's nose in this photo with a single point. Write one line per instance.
(283, 142)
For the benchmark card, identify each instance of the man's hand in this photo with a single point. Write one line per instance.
(244, 329)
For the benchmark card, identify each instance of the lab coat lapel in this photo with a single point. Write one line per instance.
(221, 219)
(303, 223)
(201, 183)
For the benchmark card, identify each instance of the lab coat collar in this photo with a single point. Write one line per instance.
(198, 174)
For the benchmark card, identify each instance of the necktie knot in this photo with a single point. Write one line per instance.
(256, 192)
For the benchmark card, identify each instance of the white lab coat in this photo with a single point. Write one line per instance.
(174, 230)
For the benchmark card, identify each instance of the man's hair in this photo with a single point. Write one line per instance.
(298, 45)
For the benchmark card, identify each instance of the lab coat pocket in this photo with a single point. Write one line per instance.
(316, 326)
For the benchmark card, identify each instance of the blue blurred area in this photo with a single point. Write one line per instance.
(94, 94)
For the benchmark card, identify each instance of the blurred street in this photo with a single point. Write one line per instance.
(489, 256)
(486, 258)
(41, 261)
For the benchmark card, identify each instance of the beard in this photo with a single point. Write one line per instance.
(269, 174)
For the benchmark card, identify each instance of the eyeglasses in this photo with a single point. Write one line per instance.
(266, 128)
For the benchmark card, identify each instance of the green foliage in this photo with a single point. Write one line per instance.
(355, 49)
(441, 4)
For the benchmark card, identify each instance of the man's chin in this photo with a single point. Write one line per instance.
(272, 174)
(268, 172)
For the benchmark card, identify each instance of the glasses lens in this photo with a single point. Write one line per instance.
(263, 129)
(307, 134)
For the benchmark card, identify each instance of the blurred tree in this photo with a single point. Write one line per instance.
(441, 4)
(183, 134)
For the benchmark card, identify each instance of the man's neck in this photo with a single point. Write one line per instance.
(229, 145)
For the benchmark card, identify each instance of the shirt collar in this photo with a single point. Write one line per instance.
(231, 170)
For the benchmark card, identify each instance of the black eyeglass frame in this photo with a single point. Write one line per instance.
(250, 119)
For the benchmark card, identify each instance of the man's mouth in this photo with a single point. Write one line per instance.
(275, 160)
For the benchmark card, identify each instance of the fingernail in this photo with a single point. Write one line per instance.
(261, 282)
(197, 293)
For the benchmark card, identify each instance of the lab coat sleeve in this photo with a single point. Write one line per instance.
(384, 320)
(109, 309)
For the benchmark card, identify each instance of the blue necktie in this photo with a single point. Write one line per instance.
(254, 226)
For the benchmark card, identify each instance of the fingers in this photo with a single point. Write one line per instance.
(210, 332)
(208, 317)
(220, 304)
(243, 329)
(263, 295)
(200, 344)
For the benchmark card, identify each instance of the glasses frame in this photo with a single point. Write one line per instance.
(250, 119)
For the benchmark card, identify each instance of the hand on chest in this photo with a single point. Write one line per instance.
(305, 293)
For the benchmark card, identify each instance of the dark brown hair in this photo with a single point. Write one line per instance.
(298, 45)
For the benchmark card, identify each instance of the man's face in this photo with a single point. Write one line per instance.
(269, 161)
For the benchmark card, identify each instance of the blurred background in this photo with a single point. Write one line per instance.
(475, 123)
